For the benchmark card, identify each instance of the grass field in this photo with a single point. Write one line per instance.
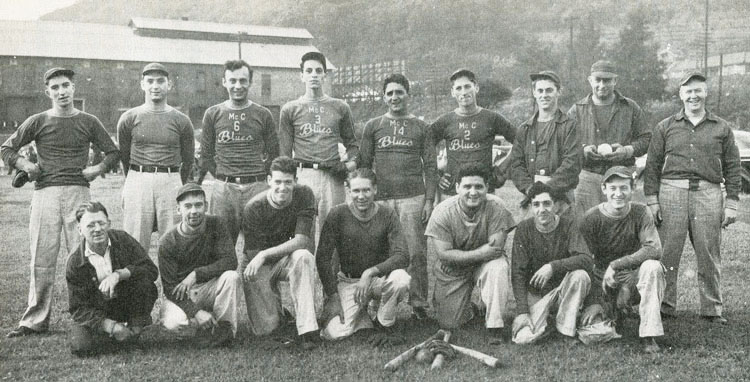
(694, 349)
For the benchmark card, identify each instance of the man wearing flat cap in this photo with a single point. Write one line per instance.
(198, 266)
(469, 132)
(63, 135)
(547, 149)
(691, 154)
(612, 131)
(156, 149)
(621, 238)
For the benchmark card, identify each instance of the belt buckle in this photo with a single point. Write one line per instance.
(238, 179)
(315, 166)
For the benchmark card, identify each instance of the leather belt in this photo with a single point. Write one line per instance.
(317, 166)
(167, 169)
(241, 179)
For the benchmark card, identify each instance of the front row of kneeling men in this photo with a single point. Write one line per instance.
(598, 265)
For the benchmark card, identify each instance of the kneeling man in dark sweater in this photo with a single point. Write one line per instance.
(626, 249)
(547, 273)
(111, 286)
(372, 255)
(197, 264)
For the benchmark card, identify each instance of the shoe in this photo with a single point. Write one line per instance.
(20, 179)
(497, 336)
(419, 313)
(650, 346)
(309, 340)
(668, 316)
(222, 336)
(22, 331)
(385, 337)
(715, 319)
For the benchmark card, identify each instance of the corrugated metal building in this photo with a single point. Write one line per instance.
(108, 60)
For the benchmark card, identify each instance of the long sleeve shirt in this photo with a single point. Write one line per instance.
(156, 138)
(238, 141)
(360, 244)
(533, 249)
(209, 252)
(403, 155)
(627, 126)
(469, 138)
(556, 151)
(62, 145)
(623, 243)
(310, 130)
(87, 305)
(680, 150)
(265, 226)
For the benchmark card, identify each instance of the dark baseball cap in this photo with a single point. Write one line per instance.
(690, 75)
(155, 67)
(188, 188)
(546, 75)
(619, 171)
(54, 72)
(464, 73)
(603, 69)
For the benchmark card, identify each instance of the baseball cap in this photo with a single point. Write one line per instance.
(189, 188)
(155, 67)
(619, 171)
(603, 69)
(690, 75)
(463, 73)
(546, 74)
(54, 72)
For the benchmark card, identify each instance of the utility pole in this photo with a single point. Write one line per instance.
(705, 43)
(240, 36)
(721, 73)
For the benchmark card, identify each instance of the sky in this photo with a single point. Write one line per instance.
(29, 9)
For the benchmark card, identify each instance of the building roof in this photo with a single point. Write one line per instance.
(217, 28)
(119, 43)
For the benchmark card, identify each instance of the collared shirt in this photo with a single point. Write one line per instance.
(102, 264)
(554, 153)
(627, 126)
(681, 150)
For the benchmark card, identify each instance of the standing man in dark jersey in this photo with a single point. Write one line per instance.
(310, 129)
(468, 131)
(62, 135)
(156, 147)
(398, 147)
(238, 143)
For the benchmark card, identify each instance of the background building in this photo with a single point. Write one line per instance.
(108, 60)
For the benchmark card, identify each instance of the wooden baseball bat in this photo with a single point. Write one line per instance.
(479, 356)
(439, 358)
(395, 363)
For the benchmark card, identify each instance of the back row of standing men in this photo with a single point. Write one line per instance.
(690, 155)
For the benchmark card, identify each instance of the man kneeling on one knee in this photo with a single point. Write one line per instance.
(626, 250)
(110, 284)
(278, 228)
(546, 272)
(372, 255)
(468, 232)
(197, 264)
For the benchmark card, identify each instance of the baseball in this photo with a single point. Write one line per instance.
(604, 148)
(424, 356)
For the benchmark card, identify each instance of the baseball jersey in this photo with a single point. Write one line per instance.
(155, 138)
(469, 138)
(402, 154)
(62, 144)
(238, 141)
(310, 130)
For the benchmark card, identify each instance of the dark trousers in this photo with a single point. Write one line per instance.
(133, 304)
